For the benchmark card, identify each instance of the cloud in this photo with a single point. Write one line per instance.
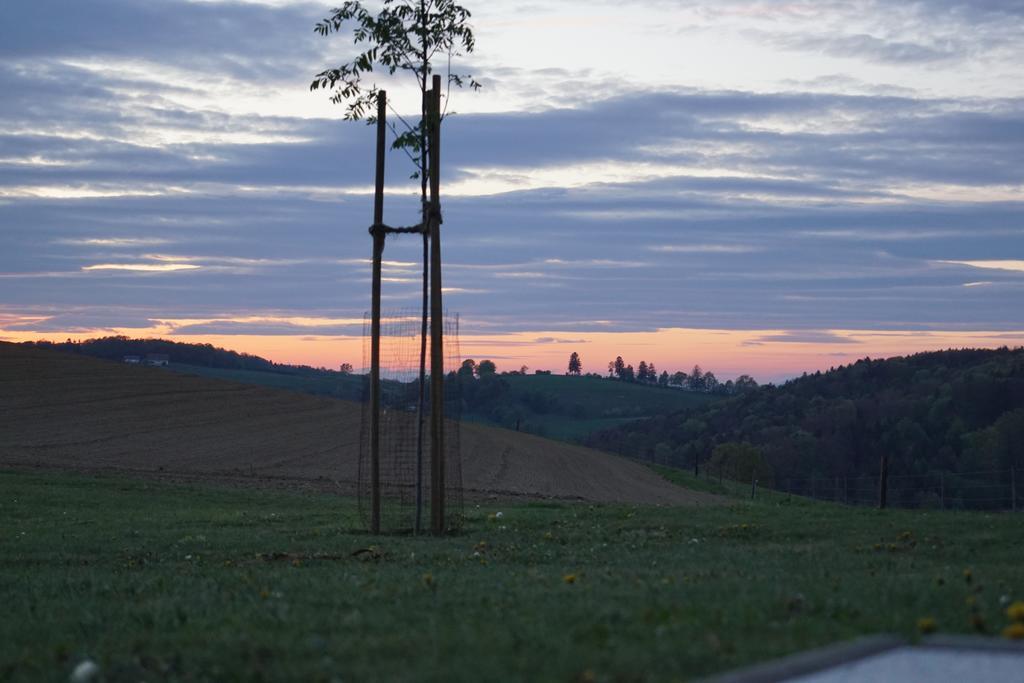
(558, 340)
(113, 241)
(1015, 265)
(142, 267)
(230, 327)
(872, 48)
(704, 248)
(842, 206)
(801, 337)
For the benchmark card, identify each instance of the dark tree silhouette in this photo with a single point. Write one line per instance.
(575, 364)
(697, 379)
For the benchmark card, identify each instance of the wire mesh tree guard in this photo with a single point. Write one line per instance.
(403, 482)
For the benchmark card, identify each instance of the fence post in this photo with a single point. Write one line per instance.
(942, 490)
(883, 483)
(437, 451)
(753, 488)
(1013, 489)
(378, 250)
(813, 490)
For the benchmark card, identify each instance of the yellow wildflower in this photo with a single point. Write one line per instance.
(927, 625)
(1014, 631)
(1015, 612)
(569, 578)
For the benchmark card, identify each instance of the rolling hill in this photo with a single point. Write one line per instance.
(75, 412)
(956, 411)
(554, 406)
(571, 408)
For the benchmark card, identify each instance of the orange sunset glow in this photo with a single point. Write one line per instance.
(767, 355)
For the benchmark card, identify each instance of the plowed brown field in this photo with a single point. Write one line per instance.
(79, 413)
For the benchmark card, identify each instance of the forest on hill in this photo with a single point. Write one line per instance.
(954, 411)
(203, 355)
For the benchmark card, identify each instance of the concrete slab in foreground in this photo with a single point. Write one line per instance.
(887, 659)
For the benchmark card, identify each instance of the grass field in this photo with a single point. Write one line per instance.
(597, 396)
(558, 427)
(584, 405)
(157, 581)
(339, 386)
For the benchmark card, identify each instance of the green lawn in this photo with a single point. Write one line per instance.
(581, 406)
(559, 427)
(339, 386)
(608, 398)
(157, 581)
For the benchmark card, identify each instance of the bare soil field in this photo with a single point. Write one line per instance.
(79, 413)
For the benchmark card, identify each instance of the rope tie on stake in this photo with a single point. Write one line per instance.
(388, 230)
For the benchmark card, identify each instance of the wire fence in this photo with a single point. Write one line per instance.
(994, 490)
(404, 429)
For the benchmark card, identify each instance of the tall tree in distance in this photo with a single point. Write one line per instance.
(575, 364)
(620, 367)
(641, 372)
(697, 379)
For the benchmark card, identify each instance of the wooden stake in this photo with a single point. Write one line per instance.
(1013, 489)
(378, 250)
(883, 483)
(436, 320)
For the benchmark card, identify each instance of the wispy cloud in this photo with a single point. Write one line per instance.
(1016, 265)
(143, 267)
(705, 248)
(801, 337)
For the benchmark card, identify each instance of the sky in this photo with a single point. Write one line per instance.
(755, 186)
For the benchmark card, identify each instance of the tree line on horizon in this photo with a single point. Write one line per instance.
(955, 411)
(646, 373)
(696, 380)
